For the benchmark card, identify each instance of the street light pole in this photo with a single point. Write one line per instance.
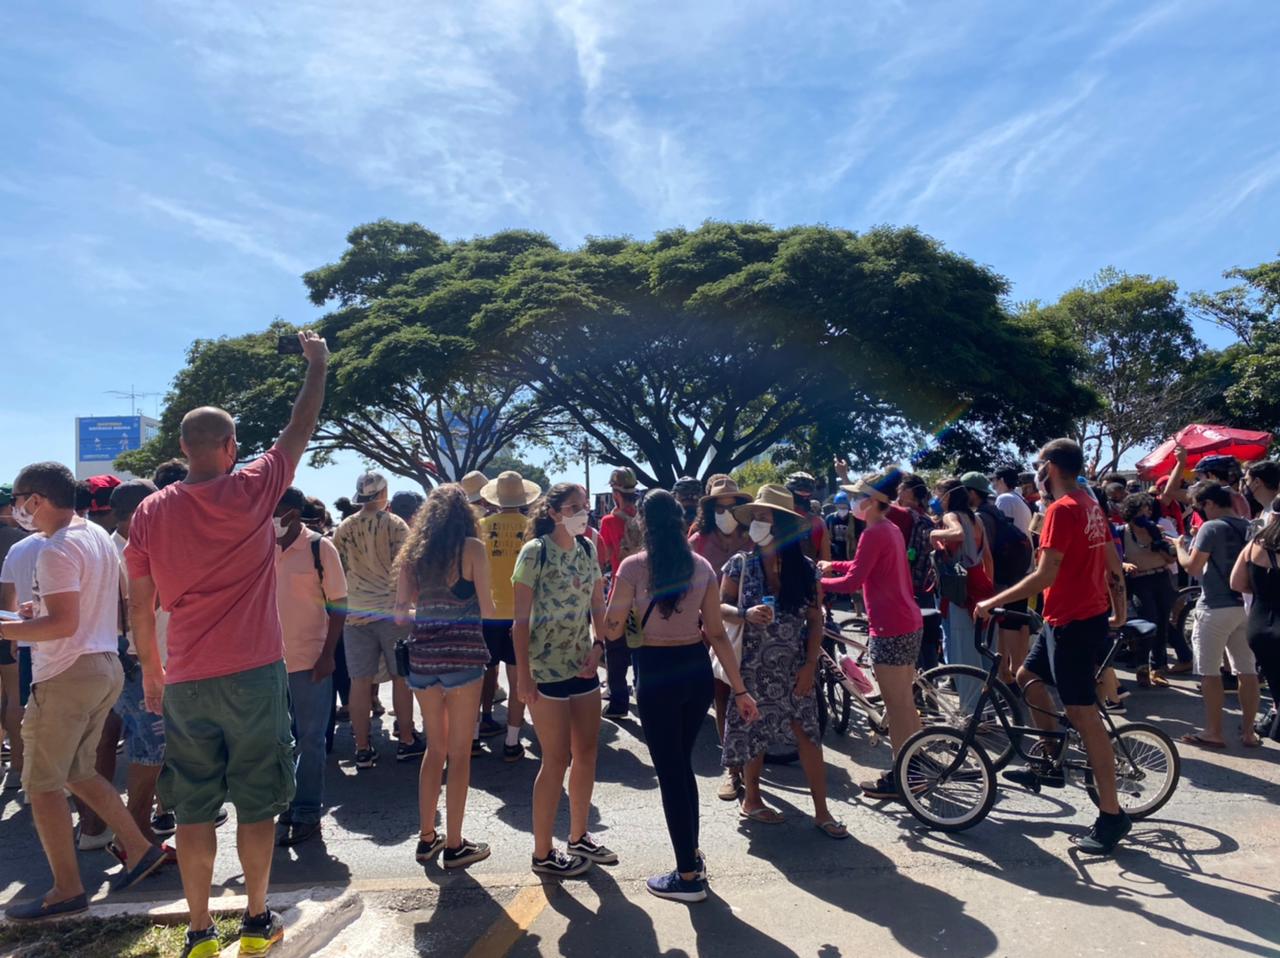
(586, 468)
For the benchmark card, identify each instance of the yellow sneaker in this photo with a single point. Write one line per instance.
(259, 933)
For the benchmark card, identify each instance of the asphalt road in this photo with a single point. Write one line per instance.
(1200, 878)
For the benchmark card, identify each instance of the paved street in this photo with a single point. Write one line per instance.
(1198, 879)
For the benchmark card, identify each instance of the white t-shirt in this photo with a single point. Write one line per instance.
(78, 558)
(1016, 508)
(19, 569)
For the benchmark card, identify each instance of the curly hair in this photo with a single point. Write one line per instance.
(670, 558)
(1133, 505)
(440, 529)
(540, 521)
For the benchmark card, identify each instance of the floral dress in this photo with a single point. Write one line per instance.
(771, 660)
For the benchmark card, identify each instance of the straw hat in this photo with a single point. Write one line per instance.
(722, 488)
(770, 496)
(511, 491)
(472, 483)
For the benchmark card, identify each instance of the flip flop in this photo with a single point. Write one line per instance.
(765, 816)
(1192, 739)
(832, 829)
(1256, 743)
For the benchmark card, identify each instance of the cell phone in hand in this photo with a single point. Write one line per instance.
(289, 345)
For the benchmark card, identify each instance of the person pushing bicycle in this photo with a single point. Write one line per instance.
(1081, 575)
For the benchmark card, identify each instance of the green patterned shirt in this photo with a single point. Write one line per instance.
(559, 623)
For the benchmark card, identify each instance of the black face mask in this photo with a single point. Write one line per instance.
(690, 514)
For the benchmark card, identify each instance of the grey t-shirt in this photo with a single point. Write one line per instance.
(1222, 539)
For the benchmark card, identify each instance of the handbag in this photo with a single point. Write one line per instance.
(635, 633)
(734, 633)
(953, 578)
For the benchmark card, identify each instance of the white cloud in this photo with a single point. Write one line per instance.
(244, 237)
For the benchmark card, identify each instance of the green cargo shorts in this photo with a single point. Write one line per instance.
(228, 738)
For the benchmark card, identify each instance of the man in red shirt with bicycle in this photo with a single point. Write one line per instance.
(1082, 578)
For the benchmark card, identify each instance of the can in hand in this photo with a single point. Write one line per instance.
(771, 603)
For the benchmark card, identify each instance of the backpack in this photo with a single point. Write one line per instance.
(315, 557)
(1011, 550)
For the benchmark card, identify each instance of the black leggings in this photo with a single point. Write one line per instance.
(673, 692)
(1153, 597)
(1265, 646)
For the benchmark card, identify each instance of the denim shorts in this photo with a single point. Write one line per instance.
(144, 731)
(447, 680)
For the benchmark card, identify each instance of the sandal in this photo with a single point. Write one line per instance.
(1247, 743)
(765, 816)
(832, 828)
(1193, 739)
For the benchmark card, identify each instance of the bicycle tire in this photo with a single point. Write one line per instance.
(972, 789)
(839, 704)
(945, 703)
(1143, 741)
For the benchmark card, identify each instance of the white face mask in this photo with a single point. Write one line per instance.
(575, 525)
(761, 532)
(726, 523)
(842, 511)
(864, 507)
(282, 530)
(26, 520)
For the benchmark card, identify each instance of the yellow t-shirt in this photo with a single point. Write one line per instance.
(503, 535)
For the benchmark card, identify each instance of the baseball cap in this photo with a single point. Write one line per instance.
(100, 492)
(977, 482)
(370, 486)
(6, 494)
(623, 480)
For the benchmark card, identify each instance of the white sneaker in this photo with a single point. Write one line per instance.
(93, 843)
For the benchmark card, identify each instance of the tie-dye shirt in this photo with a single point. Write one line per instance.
(368, 544)
(559, 623)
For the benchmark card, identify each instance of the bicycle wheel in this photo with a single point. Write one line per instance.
(942, 690)
(948, 802)
(1147, 769)
(838, 704)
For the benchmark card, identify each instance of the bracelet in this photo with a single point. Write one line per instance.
(739, 694)
(598, 642)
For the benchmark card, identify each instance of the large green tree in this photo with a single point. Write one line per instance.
(1138, 345)
(699, 350)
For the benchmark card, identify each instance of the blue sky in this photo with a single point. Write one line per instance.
(170, 169)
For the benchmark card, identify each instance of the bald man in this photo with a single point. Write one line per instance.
(206, 547)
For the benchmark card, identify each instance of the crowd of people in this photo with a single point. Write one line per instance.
(216, 621)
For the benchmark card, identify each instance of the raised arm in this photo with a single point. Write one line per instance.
(306, 408)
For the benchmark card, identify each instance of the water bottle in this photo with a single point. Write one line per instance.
(771, 603)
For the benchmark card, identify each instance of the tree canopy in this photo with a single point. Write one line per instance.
(687, 354)
(1138, 346)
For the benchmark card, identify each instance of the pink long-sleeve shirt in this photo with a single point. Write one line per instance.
(879, 570)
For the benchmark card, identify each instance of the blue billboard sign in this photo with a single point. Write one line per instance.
(103, 438)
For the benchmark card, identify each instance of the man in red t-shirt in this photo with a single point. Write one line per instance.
(205, 547)
(1081, 576)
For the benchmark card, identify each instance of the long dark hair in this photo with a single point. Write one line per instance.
(441, 527)
(1269, 535)
(955, 497)
(540, 521)
(797, 587)
(670, 558)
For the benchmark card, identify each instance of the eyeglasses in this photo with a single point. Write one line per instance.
(24, 495)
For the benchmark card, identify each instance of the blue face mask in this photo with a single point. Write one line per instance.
(935, 506)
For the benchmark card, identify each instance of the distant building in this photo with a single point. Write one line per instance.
(100, 439)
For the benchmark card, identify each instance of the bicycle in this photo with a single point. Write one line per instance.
(940, 694)
(949, 782)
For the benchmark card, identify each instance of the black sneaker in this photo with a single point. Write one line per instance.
(428, 850)
(221, 818)
(1037, 777)
(468, 853)
(376, 708)
(202, 944)
(512, 753)
(297, 833)
(408, 752)
(1105, 834)
(561, 865)
(476, 748)
(674, 888)
(883, 789)
(260, 933)
(590, 849)
(489, 728)
(164, 824)
(618, 710)
(1115, 708)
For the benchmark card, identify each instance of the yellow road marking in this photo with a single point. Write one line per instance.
(521, 912)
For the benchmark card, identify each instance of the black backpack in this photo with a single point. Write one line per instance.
(1011, 549)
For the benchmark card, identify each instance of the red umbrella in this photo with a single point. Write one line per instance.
(1200, 441)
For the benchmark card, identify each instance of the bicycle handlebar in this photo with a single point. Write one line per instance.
(984, 637)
